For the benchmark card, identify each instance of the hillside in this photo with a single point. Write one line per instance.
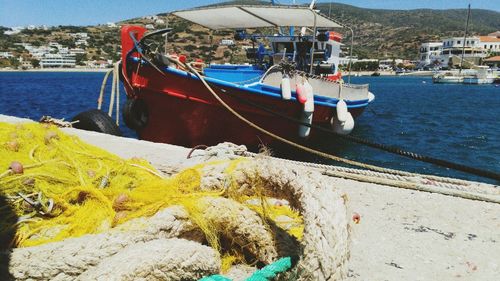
(398, 33)
(378, 33)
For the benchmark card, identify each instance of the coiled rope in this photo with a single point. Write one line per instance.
(265, 274)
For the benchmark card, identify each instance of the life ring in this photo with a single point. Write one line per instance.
(135, 114)
(96, 121)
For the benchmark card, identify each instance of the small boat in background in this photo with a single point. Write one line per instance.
(448, 77)
(483, 75)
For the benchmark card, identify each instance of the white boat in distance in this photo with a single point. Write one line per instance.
(483, 75)
(447, 78)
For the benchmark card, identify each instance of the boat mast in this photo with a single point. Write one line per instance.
(465, 38)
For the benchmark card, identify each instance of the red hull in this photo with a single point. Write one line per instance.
(183, 112)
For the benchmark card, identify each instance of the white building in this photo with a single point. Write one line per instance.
(14, 30)
(82, 35)
(458, 42)
(57, 61)
(55, 45)
(453, 48)
(388, 64)
(227, 42)
(76, 51)
(429, 53)
(345, 60)
(6, 55)
(80, 42)
(99, 64)
(490, 43)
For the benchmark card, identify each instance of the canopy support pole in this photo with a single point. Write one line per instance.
(313, 41)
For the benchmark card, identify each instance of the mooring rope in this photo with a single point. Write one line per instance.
(436, 185)
(115, 92)
(390, 149)
(103, 86)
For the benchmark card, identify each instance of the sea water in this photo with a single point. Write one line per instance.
(458, 123)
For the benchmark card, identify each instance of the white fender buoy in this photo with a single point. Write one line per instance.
(371, 96)
(309, 104)
(286, 91)
(343, 128)
(304, 130)
(301, 92)
(342, 111)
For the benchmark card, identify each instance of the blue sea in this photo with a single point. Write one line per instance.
(458, 123)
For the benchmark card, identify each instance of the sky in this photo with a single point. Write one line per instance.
(91, 12)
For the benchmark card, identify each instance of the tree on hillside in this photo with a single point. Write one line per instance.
(35, 63)
(80, 58)
(14, 62)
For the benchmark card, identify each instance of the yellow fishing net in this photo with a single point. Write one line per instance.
(68, 188)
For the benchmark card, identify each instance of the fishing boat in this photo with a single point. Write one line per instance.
(289, 90)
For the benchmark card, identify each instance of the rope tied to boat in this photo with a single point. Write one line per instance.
(114, 94)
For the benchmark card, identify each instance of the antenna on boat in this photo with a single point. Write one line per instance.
(465, 38)
(166, 38)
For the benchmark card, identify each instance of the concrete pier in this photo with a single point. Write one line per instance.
(402, 235)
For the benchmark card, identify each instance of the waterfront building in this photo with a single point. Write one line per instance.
(99, 64)
(430, 53)
(491, 43)
(58, 61)
(345, 60)
(448, 52)
(389, 64)
(26, 64)
(453, 47)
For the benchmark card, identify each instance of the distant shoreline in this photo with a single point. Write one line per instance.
(58, 70)
(344, 74)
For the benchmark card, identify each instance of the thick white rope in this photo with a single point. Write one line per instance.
(113, 92)
(116, 73)
(101, 93)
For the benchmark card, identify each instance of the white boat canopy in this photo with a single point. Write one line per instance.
(235, 17)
